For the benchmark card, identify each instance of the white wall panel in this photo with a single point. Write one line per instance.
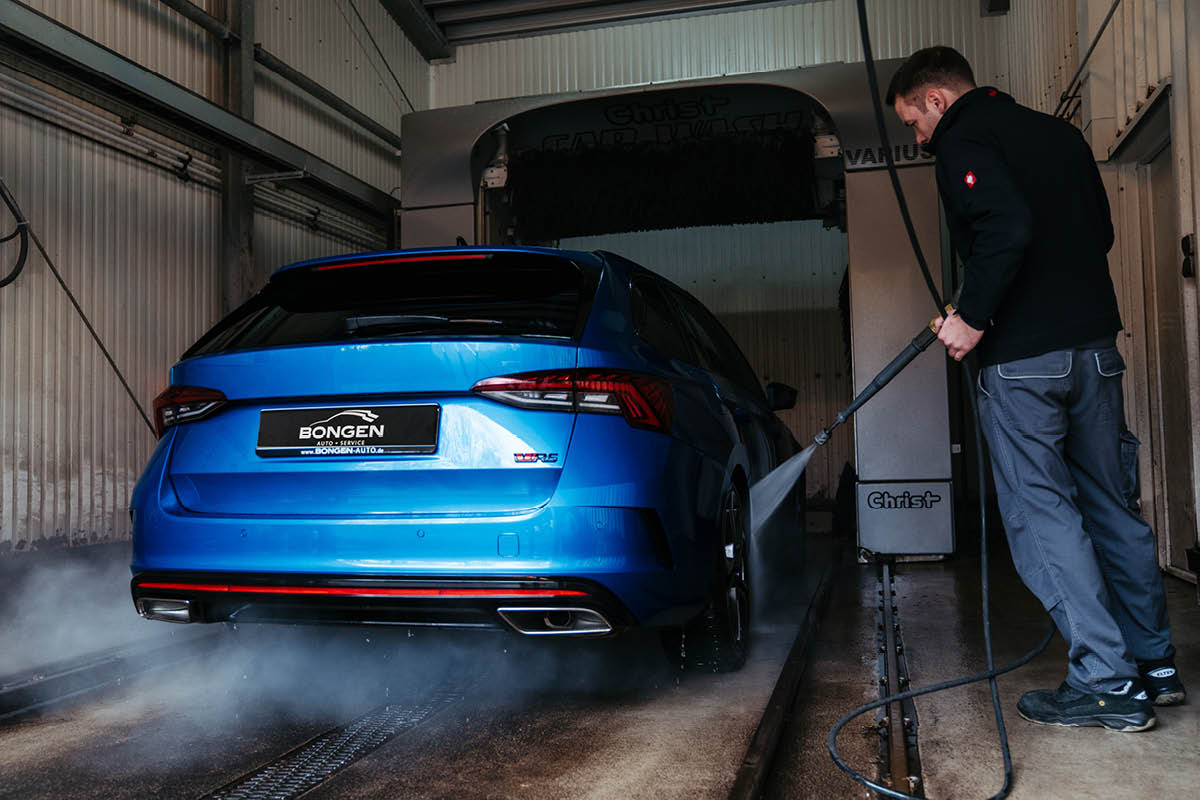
(139, 248)
(149, 33)
(327, 42)
(775, 288)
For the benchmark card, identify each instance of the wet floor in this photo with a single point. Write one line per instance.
(532, 719)
(939, 611)
(608, 718)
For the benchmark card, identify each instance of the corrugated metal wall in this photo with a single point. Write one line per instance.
(280, 240)
(1148, 44)
(775, 288)
(754, 40)
(327, 42)
(138, 247)
(149, 33)
(1043, 51)
(324, 40)
(1132, 59)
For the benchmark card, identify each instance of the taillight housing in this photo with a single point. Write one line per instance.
(644, 401)
(184, 404)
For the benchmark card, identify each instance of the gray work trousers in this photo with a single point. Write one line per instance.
(1065, 469)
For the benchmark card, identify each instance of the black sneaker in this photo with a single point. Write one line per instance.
(1129, 710)
(1162, 682)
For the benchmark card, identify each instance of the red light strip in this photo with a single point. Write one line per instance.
(346, 591)
(405, 260)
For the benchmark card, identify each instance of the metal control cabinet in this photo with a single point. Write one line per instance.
(902, 436)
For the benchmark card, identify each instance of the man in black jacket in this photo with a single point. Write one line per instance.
(1030, 219)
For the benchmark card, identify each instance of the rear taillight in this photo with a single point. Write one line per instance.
(184, 404)
(645, 401)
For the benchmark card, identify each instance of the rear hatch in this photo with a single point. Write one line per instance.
(347, 388)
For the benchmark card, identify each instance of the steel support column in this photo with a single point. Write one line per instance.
(237, 201)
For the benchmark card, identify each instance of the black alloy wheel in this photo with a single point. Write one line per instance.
(719, 639)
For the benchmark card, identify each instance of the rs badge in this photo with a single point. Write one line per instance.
(533, 458)
(970, 179)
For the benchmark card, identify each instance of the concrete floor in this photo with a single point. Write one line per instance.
(604, 718)
(60, 605)
(610, 718)
(599, 719)
(939, 611)
(939, 615)
(841, 675)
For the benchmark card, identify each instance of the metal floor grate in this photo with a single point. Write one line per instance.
(313, 762)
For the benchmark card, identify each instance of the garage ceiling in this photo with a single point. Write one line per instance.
(462, 21)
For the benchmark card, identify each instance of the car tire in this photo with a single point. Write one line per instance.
(718, 640)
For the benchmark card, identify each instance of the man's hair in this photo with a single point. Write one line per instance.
(933, 66)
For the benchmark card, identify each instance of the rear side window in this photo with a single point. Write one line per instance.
(717, 348)
(655, 320)
(501, 294)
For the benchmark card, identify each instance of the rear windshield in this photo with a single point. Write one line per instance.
(394, 297)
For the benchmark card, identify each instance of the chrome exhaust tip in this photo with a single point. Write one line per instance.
(559, 620)
(554, 621)
(165, 610)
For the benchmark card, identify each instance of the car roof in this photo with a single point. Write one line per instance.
(581, 257)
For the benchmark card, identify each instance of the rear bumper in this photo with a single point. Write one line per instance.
(534, 606)
(621, 550)
(639, 528)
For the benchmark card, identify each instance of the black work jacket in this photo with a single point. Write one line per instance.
(1029, 217)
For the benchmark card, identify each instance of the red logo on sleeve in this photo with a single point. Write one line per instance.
(970, 179)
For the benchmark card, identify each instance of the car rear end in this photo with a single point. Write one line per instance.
(389, 439)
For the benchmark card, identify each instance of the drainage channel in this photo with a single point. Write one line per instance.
(62, 681)
(305, 767)
(900, 757)
(755, 769)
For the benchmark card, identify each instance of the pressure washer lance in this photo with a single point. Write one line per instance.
(768, 494)
(918, 345)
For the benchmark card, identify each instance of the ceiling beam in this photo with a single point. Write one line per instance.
(420, 28)
(594, 14)
(495, 9)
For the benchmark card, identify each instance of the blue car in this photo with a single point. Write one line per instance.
(557, 442)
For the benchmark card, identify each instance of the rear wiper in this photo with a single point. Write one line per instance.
(419, 321)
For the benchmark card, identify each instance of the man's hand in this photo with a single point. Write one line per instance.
(959, 337)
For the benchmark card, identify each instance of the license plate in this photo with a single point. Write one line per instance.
(363, 430)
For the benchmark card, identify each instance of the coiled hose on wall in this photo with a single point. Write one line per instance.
(22, 231)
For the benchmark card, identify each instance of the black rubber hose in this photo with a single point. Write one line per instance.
(881, 124)
(991, 673)
(22, 230)
(95, 336)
